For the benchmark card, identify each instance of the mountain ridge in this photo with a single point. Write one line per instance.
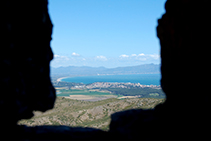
(86, 70)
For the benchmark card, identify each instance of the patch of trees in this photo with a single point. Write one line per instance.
(143, 92)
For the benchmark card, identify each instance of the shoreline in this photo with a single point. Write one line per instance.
(59, 79)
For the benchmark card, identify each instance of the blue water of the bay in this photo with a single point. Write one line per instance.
(144, 79)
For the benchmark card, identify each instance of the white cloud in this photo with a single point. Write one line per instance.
(103, 58)
(124, 56)
(144, 57)
(155, 56)
(75, 54)
(56, 56)
(133, 55)
(59, 57)
(142, 54)
(100, 60)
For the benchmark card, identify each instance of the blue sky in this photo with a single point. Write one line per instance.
(109, 33)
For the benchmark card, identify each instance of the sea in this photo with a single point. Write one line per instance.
(144, 79)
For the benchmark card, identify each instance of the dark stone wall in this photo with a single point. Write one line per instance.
(184, 38)
(25, 56)
(25, 84)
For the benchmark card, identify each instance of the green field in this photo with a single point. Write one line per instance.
(81, 92)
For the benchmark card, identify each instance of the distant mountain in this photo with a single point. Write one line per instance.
(84, 70)
(147, 68)
(75, 70)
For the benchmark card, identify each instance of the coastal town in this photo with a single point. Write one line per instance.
(118, 85)
(105, 90)
(97, 85)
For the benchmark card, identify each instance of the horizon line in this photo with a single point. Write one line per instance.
(106, 67)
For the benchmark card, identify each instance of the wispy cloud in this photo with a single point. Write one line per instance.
(59, 57)
(103, 58)
(100, 60)
(133, 55)
(124, 56)
(75, 54)
(147, 57)
(139, 57)
(155, 56)
(142, 54)
(55, 55)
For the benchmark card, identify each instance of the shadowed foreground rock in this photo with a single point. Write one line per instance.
(26, 86)
(58, 133)
(25, 56)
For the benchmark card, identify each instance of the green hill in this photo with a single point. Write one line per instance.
(87, 114)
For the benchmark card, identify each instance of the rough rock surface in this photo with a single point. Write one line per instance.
(184, 41)
(25, 56)
(25, 85)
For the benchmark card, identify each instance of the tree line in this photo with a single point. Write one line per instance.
(146, 92)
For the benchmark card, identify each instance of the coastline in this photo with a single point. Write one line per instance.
(59, 79)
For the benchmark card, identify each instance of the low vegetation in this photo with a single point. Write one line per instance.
(137, 91)
(77, 105)
(86, 113)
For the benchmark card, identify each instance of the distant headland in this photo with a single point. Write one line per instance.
(87, 71)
